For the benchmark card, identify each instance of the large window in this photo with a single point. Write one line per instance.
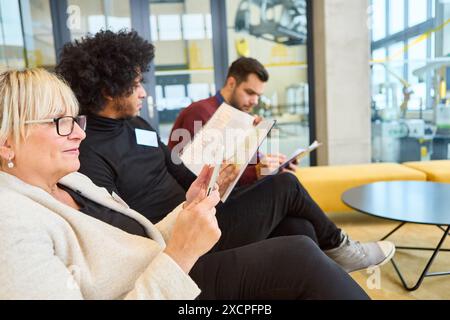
(275, 33)
(91, 16)
(410, 80)
(190, 59)
(396, 15)
(26, 35)
(379, 15)
(182, 34)
(417, 11)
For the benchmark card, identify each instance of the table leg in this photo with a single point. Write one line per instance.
(390, 233)
(440, 227)
(427, 267)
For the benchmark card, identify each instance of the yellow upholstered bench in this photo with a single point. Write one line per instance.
(326, 184)
(436, 170)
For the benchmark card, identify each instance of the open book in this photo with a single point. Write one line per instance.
(298, 155)
(228, 136)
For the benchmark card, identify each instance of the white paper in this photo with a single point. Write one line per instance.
(146, 138)
(232, 130)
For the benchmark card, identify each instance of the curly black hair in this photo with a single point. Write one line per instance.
(107, 63)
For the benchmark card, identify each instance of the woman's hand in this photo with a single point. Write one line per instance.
(198, 187)
(195, 231)
(227, 174)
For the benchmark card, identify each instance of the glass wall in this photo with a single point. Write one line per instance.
(26, 31)
(275, 33)
(182, 34)
(26, 34)
(410, 80)
(91, 16)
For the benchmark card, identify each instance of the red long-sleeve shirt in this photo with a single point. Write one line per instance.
(202, 111)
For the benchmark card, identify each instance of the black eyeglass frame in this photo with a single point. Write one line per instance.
(80, 120)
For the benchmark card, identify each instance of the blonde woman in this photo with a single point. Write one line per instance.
(62, 237)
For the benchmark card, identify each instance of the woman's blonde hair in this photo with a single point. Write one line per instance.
(32, 94)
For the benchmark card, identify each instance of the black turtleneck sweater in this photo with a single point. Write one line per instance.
(143, 176)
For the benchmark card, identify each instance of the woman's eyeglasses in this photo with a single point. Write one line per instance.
(64, 125)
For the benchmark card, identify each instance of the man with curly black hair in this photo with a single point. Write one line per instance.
(124, 154)
(106, 66)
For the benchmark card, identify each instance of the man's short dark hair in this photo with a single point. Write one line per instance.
(107, 63)
(241, 68)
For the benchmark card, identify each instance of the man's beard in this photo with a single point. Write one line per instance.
(235, 104)
(233, 101)
(125, 109)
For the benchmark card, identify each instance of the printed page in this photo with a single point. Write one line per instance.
(248, 148)
(232, 131)
(227, 128)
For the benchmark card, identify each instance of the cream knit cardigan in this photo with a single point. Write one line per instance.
(49, 250)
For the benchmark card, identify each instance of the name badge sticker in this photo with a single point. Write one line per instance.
(146, 138)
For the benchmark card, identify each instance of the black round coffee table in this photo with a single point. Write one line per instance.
(408, 202)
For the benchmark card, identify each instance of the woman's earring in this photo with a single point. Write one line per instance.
(10, 163)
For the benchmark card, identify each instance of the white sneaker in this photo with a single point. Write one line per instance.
(353, 255)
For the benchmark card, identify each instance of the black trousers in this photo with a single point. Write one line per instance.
(286, 268)
(272, 207)
(269, 248)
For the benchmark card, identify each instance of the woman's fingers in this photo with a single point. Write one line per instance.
(205, 174)
(202, 202)
(212, 200)
(198, 198)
